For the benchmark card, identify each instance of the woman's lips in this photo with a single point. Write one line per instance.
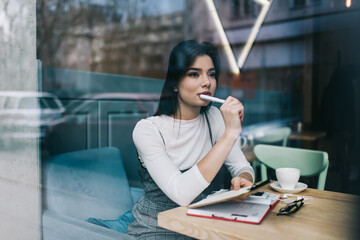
(205, 93)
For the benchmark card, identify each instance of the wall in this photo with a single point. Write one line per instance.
(19, 158)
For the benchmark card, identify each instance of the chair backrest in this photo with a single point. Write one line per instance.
(270, 135)
(310, 162)
(87, 183)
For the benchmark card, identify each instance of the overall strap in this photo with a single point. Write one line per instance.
(210, 133)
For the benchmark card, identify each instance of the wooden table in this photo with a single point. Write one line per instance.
(309, 136)
(330, 216)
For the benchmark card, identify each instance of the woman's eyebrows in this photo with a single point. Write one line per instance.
(199, 69)
(194, 69)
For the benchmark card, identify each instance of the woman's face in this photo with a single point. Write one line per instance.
(199, 79)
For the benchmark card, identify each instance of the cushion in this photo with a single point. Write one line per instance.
(87, 183)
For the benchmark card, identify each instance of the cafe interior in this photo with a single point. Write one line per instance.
(77, 75)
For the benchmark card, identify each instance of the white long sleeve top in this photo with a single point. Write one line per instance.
(167, 145)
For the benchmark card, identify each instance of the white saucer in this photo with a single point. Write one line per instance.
(298, 188)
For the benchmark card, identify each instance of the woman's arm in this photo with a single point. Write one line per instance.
(182, 188)
(232, 112)
(210, 165)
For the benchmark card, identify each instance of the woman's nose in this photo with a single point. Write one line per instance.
(205, 81)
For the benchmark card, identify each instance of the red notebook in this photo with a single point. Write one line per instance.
(253, 210)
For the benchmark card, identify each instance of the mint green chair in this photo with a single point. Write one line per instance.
(268, 135)
(310, 162)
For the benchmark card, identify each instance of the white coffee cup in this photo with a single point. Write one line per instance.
(288, 177)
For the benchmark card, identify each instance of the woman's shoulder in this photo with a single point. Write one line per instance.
(146, 127)
(152, 123)
(147, 122)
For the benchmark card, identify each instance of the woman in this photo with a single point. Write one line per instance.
(182, 147)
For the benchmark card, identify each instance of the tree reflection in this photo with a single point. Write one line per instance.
(120, 37)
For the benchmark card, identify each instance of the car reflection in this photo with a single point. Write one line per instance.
(25, 114)
(96, 120)
(145, 102)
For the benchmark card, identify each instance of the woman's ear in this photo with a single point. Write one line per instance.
(175, 89)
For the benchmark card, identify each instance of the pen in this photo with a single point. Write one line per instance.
(239, 215)
(260, 184)
(212, 99)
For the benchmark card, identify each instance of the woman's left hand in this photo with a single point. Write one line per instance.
(239, 182)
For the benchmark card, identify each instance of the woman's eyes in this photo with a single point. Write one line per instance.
(196, 74)
(193, 74)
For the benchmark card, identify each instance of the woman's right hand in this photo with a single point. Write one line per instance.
(232, 112)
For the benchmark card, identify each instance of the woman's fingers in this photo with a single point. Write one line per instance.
(244, 182)
(235, 183)
(233, 106)
(233, 114)
(239, 182)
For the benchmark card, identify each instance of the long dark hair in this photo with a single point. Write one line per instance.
(181, 58)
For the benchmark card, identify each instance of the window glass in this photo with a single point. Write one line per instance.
(10, 102)
(292, 63)
(28, 103)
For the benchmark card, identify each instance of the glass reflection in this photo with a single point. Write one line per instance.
(103, 59)
(104, 62)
